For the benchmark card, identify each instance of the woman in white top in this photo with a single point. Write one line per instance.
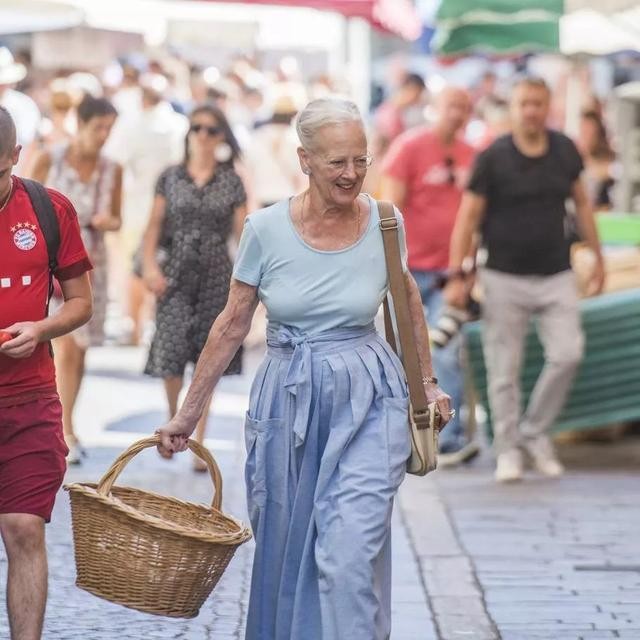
(93, 183)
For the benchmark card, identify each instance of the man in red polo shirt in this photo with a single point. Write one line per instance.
(32, 448)
(424, 173)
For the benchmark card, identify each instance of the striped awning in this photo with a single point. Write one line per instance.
(497, 26)
(504, 27)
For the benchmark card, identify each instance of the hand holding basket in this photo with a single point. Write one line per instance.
(150, 552)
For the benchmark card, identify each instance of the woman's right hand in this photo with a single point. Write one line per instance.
(155, 281)
(174, 437)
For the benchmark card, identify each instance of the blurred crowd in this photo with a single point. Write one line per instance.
(162, 93)
(409, 104)
(160, 156)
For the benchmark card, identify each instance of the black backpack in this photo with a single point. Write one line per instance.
(48, 221)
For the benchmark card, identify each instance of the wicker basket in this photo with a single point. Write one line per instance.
(148, 552)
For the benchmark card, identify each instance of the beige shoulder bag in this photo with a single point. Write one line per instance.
(423, 417)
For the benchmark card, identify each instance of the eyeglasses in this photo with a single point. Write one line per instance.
(339, 165)
(211, 131)
(450, 164)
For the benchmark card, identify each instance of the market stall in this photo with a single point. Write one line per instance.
(607, 388)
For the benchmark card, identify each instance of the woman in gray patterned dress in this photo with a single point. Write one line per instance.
(198, 205)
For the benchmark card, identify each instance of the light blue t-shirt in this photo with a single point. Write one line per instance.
(309, 289)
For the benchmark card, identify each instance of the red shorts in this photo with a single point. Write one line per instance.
(32, 456)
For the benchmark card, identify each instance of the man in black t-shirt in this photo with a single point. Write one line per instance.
(516, 200)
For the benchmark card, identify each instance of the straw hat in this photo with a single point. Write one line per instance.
(284, 105)
(10, 70)
(61, 96)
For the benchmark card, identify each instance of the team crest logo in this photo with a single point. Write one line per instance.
(24, 236)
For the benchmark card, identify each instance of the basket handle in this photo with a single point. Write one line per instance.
(107, 480)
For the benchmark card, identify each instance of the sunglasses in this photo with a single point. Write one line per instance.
(211, 131)
(450, 165)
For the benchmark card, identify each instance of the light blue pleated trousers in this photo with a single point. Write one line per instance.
(327, 444)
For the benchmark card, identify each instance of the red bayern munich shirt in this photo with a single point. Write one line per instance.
(24, 285)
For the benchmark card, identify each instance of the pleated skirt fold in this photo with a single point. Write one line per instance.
(320, 499)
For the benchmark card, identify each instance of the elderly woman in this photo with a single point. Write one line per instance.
(326, 432)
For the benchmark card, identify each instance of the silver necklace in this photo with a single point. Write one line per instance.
(302, 230)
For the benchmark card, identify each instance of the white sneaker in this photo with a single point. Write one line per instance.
(544, 457)
(509, 466)
(552, 468)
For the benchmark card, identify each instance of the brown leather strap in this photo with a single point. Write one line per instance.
(389, 333)
(398, 290)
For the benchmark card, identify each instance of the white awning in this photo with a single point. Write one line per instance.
(602, 6)
(592, 32)
(28, 16)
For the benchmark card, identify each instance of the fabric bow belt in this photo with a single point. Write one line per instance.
(302, 346)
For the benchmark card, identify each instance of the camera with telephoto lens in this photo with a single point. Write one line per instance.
(451, 321)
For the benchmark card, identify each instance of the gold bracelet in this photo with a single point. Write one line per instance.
(429, 380)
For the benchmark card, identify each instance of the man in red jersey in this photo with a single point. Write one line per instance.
(32, 448)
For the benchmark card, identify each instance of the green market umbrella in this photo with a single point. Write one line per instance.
(497, 26)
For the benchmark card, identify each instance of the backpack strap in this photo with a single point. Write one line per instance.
(48, 221)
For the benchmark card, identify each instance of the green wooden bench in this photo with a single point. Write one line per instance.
(618, 228)
(607, 387)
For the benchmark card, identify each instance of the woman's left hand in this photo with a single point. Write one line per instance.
(443, 401)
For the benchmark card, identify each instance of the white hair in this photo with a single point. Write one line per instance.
(323, 112)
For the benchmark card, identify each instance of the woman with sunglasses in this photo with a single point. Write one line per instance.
(326, 431)
(198, 205)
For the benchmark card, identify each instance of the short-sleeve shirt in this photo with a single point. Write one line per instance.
(24, 285)
(190, 208)
(434, 176)
(310, 289)
(524, 229)
(388, 120)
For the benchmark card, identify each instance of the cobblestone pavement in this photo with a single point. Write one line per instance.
(552, 559)
(558, 560)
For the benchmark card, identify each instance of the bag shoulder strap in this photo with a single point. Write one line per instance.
(397, 287)
(47, 219)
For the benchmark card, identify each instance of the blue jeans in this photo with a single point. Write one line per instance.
(446, 361)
